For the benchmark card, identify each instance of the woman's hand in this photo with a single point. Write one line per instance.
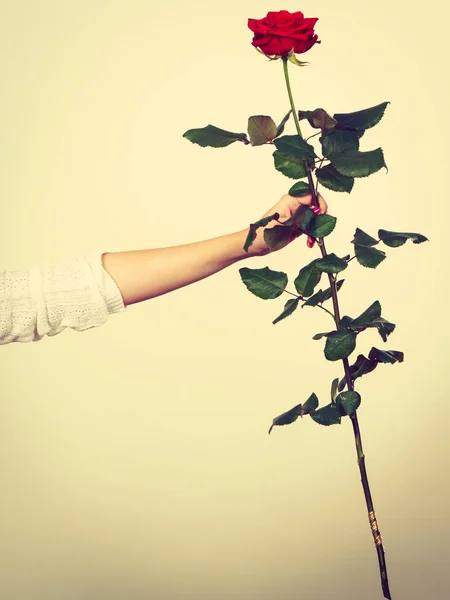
(285, 208)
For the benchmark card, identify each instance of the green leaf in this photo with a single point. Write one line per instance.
(363, 239)
(266, 220)
(371, 318)
(319, 336)
(348, 402)
(384, 327)
(327, 415)
(299, 215)
(311, 404)
(322, 295)
(251, 236)
(294, 146)
(334, 389)
(331, 264)
(340, 344)
(287, 418)
(330, 178)
(369, 257)
(337, 141)
(264, 283)
(299, 189)
(345, 322)
(365, 318)
(302, 220)
(386, 356)
(318, 118)
(361, 119)
(307, 279)
(214, 137)
(298, 411)
(322, 226)
(261, 129)
(354, 163)
(289, 308)
(291, 167)
(277, 237)
(360, 367)
(364, 365)
(285, 119)
(393, 239)
(305, 219)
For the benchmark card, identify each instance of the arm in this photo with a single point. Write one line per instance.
(80, 294)
(144, 274)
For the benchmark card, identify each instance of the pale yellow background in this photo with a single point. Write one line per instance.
(135, 460)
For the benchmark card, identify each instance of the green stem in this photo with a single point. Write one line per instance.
(348, 376)
(292, 294)
(299, 131)
(291, 99)
(326, 310)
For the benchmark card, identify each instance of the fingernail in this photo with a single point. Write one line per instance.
(316, 210)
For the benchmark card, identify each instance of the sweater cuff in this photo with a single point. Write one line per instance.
(108, 287)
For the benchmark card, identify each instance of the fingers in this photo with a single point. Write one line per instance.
(294, 202)
(287, 205)
(318, 210)
(322, 205)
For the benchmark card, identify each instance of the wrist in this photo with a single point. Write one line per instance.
(258, 247)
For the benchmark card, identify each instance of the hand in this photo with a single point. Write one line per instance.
(285, 208)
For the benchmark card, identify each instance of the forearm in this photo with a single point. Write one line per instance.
(144, 274)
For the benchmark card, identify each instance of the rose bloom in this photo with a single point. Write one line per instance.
(280, 32)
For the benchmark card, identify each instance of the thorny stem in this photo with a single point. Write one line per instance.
(348, 376)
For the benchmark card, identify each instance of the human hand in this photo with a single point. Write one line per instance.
(285, 207)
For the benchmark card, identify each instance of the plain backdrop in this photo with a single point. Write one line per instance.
(134, 457)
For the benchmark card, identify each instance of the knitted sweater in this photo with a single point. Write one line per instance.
(47, 298)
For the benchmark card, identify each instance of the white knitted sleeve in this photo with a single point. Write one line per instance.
(47, 298)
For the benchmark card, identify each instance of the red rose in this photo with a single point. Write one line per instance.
(280, 32)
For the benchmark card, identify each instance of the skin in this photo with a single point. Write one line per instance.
(144, 274)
